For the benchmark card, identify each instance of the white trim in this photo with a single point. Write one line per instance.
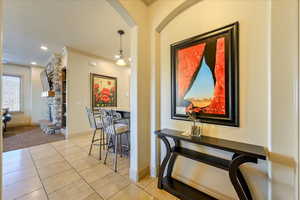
(155, 83)
(138, 175)
(174, 13)
(269, 164)
(298, 106)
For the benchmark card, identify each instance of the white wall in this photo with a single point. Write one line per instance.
(78, 88)
(33, 107)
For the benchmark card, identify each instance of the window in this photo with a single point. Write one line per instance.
(11, 93)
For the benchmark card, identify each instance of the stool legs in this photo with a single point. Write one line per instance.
(120, 146)
(107, 149)
(116, 152)
(128, 141)
(117, 148)
(103, 139)
(100, 140)
(92, 142)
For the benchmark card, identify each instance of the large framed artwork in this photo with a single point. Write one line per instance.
(103, 91)
(205, 76)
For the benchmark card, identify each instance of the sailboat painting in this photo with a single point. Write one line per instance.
(205, 76)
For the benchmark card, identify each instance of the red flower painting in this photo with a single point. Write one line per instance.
(104, 92)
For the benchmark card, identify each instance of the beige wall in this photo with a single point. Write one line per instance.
(135, 13)
(39, 105)
(270, 120)
(284, 137)
(22, 118)
(1, 69)
(78, 87)
(254, 84)
(33, 107)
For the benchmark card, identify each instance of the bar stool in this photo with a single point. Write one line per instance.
(96, 124)
(114, 130)
(118, 117)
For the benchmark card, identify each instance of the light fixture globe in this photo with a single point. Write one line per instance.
(44, 48)
(121, 62)
(120, 59)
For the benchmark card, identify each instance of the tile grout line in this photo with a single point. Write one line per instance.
(16, 170)
(23, 195)
(58, 172)
(27, 178)
(145, 190)
(55, 173)
(79, 173)
(99, 178)
(125, 176)
(38, 173)
(131, 182)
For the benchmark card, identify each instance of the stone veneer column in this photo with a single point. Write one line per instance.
(55, 103)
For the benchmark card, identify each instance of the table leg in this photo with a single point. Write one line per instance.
(237, 179)
(164, 162)
(172, 159)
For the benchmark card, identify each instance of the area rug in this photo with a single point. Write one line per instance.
(26, 136)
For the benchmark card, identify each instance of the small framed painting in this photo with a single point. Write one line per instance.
(205, 77)
(103, 91)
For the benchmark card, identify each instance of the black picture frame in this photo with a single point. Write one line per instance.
(231, 118)
(92, 96)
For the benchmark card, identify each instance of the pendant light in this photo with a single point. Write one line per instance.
(120, 58)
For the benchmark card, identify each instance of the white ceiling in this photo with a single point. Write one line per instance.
(87, 25)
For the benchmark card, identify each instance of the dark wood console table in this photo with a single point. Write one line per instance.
(243, 153)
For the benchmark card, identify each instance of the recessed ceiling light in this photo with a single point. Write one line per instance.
(33, 63)
(117, 56)
(43, 47)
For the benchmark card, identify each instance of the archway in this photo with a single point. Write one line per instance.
(143, 125)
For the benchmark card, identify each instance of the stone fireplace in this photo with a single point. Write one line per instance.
(54, 124)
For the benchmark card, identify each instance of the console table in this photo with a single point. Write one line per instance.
(242, 153)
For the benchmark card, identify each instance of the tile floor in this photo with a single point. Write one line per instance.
(64, 171)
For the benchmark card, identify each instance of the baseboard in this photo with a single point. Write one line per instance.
(11, 125)
(154, 171)
(201, 188)
(35, 124)
(75, 134)
(136, 176)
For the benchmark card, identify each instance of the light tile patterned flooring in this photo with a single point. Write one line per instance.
(64, 171)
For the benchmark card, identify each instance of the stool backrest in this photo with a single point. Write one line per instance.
(91, 117)
(108, 121)
(116, 115)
